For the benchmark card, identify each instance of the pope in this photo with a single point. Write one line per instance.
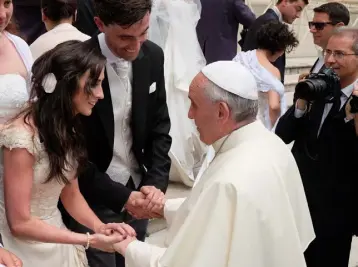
(249, 207)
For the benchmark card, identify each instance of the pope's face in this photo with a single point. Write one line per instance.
(203, 111)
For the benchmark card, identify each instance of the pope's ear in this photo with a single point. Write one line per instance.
(224, 111)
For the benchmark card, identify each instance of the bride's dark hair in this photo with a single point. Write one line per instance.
(53, 113)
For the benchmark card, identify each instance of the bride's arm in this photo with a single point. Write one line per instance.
(18, 180)
(77, 206)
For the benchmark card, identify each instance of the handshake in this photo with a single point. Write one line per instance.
(146, 204)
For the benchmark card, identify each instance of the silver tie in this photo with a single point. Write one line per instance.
(121, 67)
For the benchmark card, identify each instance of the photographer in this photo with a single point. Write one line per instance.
(326, 151)
(326, 19)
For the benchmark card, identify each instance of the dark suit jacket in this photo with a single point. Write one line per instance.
(327, 165)
(150, 126)
(217, 28)
(251, 41)
(85, 18)
(28, 17)
(314, 65)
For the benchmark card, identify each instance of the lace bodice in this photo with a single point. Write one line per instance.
(45, 196)
(265, 81)
(13, 95)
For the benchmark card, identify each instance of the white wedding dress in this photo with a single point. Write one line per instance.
(45, 196)
(265, 81)
(172, 27)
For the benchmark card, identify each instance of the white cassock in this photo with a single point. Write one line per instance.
(248, 210)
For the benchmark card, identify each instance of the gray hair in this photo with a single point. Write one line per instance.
(241, 108)
(348, 31)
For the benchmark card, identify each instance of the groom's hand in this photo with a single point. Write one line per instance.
(136, 211)
(150, 205)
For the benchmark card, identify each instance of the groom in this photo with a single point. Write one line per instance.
(128, 132)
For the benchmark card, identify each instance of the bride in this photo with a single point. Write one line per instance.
(172, 27)
(42, 153)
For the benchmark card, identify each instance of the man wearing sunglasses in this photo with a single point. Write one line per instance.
(326, 19)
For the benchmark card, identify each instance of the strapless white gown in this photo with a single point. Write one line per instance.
(13, 95)
(44, 197)
(265, 82)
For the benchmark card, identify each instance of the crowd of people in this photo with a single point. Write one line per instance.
(103, 101)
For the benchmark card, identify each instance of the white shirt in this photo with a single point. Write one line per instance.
(123, 164)
(319, 64)
(61, 33)
(346, 93)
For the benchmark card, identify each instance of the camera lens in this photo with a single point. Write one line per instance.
(310, 89)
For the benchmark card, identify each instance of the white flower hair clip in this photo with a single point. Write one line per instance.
(49, 83)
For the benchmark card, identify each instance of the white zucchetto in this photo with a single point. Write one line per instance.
(232, 77)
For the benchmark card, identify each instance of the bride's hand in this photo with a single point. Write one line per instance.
(121, 247)
(105, 242)
(120, 228)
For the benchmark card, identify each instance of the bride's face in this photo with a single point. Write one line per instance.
(83, 103)
(6, 10)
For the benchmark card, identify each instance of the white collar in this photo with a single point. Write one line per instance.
(63, 26)
(278, 13)
(239, 135)
(348, 90)
(111, 58)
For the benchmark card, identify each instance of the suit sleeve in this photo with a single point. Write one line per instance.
(243, 13)
(289, 127)
(98, 188)
(157, 149)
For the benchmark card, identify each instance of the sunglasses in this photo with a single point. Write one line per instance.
(319, 25)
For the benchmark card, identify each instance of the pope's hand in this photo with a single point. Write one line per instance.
(104, 242)
(8, 259)
(121, 247)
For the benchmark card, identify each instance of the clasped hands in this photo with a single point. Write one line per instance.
(107, 235)
(146, 204)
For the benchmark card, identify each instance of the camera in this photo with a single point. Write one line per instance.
(318, 86)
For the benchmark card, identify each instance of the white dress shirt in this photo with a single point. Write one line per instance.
(319, 64)
(61, 33)
(123, 164)
(278, 13)
(346, 92)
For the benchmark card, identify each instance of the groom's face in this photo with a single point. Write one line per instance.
(125, 41)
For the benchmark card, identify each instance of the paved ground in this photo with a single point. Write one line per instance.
(157, 228)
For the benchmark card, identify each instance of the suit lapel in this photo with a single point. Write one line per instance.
(104, 108)
(140, 93)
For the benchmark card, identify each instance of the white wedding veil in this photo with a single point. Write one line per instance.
(172, 27)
